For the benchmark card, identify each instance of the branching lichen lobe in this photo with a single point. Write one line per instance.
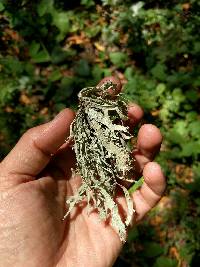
(104, 159)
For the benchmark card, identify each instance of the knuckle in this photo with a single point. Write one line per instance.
(30, 134)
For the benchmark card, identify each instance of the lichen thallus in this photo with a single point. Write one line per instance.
(103, 154)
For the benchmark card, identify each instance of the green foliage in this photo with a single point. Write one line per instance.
(118, 59)
(49, 50)
(165, 262)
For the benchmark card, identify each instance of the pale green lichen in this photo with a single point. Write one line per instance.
(104, 159)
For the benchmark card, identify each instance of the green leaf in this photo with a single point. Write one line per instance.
(58, 55)
(97, 73)
(136, 185)
(67, 86)
(39, 53)
(181, 127)
(107, 72)
(55, 76)
(186, 253)
(119, 59)
(165, 262)
(197, 47)
(152, 249)
(82, 68)
(192, 95)
(92, 31)
(133, 234)
(87, 3)
(129, 73)
(192, 116)
(8, 89)
(194, 128)
(12, 65)
(160, 89)
(60, 18)
(191, 148)
(65, 90)
(174, 137)
(34, 48)
(159, 72)
(61, 21)
(1, 7)
(178, 95)
(42, 57)
(45, 6)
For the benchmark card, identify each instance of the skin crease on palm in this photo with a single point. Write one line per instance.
(35, 179)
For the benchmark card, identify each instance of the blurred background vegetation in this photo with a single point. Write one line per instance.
(50, 49)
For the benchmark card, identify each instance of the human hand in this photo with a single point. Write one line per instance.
(35, 179)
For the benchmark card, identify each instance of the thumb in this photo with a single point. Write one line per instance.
(34, 149)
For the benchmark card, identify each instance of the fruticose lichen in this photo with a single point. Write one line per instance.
(103, 153)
